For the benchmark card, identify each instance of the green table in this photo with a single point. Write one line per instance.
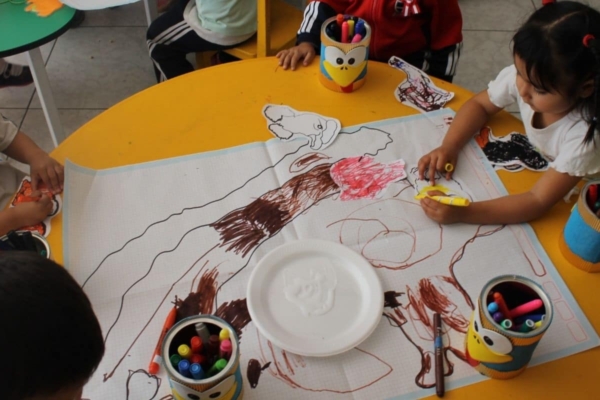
(22, 31)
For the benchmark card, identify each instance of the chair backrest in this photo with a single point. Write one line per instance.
(277, 25)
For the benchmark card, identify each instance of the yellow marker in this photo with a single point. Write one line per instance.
(185, 351)
(451, 201)
(224, 334)
(449, 167)
(538, 324)
(350, 28)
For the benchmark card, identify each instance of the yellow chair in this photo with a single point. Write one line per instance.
(277, 25)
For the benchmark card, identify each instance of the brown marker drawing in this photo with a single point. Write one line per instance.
(254, 370)
(303, 162)
(278, 371)
(242, 230)
(434, 294)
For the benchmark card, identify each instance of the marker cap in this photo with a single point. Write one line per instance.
(184, 351)
(224, 334)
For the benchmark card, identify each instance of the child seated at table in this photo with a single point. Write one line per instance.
(425, 33)
(43, 168)
(555, 79)
(50, 340)
(190, 26)
(14, 75)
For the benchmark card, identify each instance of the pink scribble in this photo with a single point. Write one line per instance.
(365, 178)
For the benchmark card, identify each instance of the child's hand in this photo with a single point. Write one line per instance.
(442, 213)
(48, 170)
(31, 213)
(436, 160)
(290, 57)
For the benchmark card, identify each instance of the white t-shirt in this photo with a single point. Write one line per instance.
(560, 142)
(223, 23)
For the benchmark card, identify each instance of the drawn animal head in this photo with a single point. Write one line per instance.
(313, 294)
(344, 68)
(227, 389)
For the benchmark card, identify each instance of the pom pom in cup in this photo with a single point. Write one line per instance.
(503, 350)
(344, 54)
(580, 240)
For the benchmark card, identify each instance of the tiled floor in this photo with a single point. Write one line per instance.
(105, 61)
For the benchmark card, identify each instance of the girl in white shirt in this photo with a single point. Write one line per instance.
(555, 80)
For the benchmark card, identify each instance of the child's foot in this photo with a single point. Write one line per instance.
(14, 75)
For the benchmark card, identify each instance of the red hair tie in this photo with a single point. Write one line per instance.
(587, 39)
(546, 2)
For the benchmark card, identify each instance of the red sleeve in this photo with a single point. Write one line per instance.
(446, 22)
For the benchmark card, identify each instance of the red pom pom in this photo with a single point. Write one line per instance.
(546, 2)
(587, 39)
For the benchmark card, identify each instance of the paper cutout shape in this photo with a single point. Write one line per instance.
(364, 178)
(418, 91)
(512, 152)
(24, 195)
(452, 188)
(286, 123)
(44, 8)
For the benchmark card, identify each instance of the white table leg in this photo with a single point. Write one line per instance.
(44, 91)
(151, 10)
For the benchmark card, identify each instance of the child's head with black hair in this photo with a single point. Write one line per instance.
(50, 339)
(559, 51)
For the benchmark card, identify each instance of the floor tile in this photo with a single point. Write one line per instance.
(494, 15)
(35, 126)
(484, 55)
(19, 97)
(127, 15)
(98, 67)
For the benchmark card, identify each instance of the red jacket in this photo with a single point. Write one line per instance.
(438, 25)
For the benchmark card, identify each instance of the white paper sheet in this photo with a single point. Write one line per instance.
(139, 236)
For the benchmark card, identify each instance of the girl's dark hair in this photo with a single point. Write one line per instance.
(50, 338)
(557, 60)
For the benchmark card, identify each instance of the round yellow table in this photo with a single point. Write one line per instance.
(216, 108)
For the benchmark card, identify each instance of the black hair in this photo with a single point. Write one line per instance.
(50, 338)
(556, 59)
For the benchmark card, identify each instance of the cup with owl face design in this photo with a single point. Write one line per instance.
(500, 349)
(343, 66)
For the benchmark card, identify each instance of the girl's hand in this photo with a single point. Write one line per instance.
(436, 160)
(290, 57)
(48, 170)
(31, 213)
(442, 213)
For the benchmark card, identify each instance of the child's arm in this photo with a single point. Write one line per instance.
(469, 119)
(308, 42)
(25, 214)
(43, 167)
(523, 207)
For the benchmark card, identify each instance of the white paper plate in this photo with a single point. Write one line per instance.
(315, 298)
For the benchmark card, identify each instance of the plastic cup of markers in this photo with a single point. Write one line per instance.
(502, 352)
(41, 244)
(580, 240)
(343, 66)
(226, 385)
